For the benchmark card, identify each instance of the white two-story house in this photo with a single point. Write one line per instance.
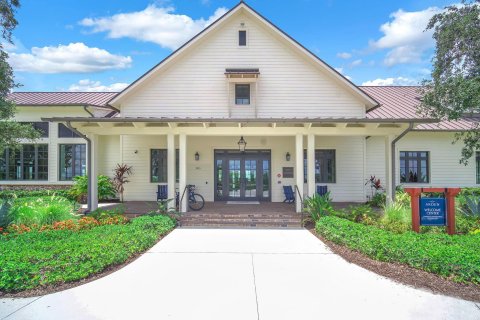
(240, 111)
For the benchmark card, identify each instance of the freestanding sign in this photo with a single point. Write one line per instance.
(433, 212)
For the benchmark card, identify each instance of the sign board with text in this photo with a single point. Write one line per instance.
(433, 212)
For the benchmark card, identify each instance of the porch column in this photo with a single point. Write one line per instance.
(311, 164)
(389, 153)
(299, 171)
(171, 168)
(183, 171)
(93, 173)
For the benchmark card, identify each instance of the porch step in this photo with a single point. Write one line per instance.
(242, 220)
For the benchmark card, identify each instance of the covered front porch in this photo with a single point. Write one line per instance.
(189, 149)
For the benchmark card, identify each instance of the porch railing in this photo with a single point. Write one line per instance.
(300, 198)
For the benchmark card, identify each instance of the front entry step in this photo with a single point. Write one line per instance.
(241, 220)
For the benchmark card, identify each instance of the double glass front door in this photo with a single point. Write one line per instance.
(242, 176)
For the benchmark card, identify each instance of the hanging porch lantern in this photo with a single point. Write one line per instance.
(242, 144)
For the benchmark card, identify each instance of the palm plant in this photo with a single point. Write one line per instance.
(120, 178)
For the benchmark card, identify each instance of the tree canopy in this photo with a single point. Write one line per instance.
(453, 92)
(10, 131)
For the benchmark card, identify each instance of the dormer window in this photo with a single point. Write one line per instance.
(242, 38)
(242, 94)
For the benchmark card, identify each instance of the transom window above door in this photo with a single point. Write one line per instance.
(242, 94)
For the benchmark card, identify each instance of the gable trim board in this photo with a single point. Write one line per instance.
(334, 74)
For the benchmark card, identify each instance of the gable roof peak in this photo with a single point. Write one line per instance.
(369, 101)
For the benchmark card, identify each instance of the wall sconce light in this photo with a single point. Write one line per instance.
(136, 151)
(287, 156)
(197, 156)
(242, 144)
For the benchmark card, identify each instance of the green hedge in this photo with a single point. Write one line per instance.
(8, 194)
(454, 257)
(36, 259)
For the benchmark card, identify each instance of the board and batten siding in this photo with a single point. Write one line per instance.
(349, 184)
(445, 169)
(290, 85)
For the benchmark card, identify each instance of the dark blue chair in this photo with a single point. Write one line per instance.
(322, 190)
(162, 192)
(289, 194)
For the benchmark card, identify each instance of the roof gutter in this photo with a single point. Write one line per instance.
(393, 157)
(89, 165)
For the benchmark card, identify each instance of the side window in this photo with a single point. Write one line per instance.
(414, 166)
(65, 132)
(242, 38)
(242, 94)
(40, 126)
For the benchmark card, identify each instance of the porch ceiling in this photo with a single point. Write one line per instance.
(245, 126)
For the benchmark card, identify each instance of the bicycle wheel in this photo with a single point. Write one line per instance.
(196, 202)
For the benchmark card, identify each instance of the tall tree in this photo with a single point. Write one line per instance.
(453, 92)
(10, 131)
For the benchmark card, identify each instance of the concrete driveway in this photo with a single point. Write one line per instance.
(240, 274)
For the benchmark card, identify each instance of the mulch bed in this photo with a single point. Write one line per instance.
(405, 274)
(41, 291)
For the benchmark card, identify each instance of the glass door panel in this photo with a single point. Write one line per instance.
(266, 178)
(234, 176)
(250, 178)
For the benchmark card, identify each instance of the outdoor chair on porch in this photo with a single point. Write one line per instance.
(322, 190)
(289, 194)
(162, 193)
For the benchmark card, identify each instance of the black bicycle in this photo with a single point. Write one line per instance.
(196, 201)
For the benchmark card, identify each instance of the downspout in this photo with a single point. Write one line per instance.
(393, 157)
(85, 107)
(89, 165)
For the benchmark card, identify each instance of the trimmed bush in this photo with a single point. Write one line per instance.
(454, 257)
(40, 211)
(37, 259)
(12, 194)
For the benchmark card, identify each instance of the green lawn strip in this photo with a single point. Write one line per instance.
(37, 259)
(454, 257)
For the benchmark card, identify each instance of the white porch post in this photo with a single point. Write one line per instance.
(183, 171)
(171, 168)
(299, 171)
(388, 167)
(311, 164)
(93, 171)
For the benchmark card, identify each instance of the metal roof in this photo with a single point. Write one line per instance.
(400, 102)
(395, 101)
(98, 99)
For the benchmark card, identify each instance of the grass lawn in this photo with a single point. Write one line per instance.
(48, 258)
(454, 257)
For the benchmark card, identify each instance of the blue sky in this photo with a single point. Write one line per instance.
(63, 45)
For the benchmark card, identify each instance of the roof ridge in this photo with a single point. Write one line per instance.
(64, 92)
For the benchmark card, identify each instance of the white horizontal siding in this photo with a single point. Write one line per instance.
(109, 154)
(445, 169)
(349, 184)
(194, 85)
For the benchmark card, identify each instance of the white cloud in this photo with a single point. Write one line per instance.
(344, 55)
(398, 81)
(356, 63)
(71, 58)
(405, 37)
(96, 86)
(153, 24)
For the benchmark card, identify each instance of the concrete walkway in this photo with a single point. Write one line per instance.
(240, 274)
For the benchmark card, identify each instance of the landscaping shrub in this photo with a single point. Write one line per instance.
(454, 257)
(378, 200)
(13, 194)
(36, 259)
(359, 213)
(106, 189)
(396, 217)
(40, 211)
(318, 206)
